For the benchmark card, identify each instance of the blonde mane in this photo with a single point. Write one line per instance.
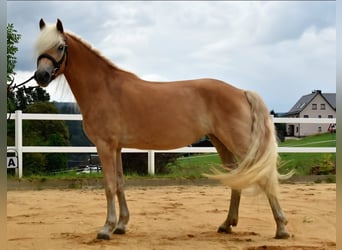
(50, 37)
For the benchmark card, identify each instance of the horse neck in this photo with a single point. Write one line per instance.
(87, 73)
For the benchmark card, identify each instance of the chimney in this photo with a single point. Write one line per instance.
(318, 91)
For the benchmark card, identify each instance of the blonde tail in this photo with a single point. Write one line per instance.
(259, 165)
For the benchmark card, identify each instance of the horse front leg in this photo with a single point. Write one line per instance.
(233, 214)
(108, 161)
(124, 213)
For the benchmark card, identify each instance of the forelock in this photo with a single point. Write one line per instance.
(48, 38)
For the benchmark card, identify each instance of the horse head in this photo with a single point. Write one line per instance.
(52, 52)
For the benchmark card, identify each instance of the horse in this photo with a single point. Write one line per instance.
(121, 110)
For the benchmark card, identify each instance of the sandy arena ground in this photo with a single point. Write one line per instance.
(171, 217)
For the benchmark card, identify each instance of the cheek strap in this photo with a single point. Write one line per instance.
(57, 65)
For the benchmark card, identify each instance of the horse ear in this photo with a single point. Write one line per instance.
(41, 24)
(59, 26)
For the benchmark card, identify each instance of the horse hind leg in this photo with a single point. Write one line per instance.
(232, 219)
(278, 214)
(281, 221)
(124, 212)
(233, 215)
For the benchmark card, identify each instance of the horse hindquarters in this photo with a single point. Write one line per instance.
(258, 165)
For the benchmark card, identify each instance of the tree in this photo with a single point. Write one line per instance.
(280, 127)
(44, 133)
(12, 39)
(22, 97)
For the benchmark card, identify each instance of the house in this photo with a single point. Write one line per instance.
(314, 105)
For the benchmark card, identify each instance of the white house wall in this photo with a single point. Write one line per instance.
(310, 129)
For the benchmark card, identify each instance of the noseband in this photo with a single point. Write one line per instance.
(57, 65)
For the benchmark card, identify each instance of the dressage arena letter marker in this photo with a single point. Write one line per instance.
(12, 162)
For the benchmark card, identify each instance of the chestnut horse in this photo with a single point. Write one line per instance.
(120, 110)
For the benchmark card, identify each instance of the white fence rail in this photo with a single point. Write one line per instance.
(18, 116)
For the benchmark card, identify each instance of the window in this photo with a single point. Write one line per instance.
(306, 116)
(322, 106)
(314, 106)
(330, 116)
(319, 129)
(319, 116)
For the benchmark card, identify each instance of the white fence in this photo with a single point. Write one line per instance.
(18, 116)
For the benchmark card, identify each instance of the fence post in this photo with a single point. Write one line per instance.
(19, 140)
(150, 162)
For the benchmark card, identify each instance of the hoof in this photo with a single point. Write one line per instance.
(119, 231)
(282, 235)
(224, 230)
(103, 236)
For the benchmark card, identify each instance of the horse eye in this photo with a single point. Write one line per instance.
(61, 47)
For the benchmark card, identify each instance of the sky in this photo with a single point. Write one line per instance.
(280, 49)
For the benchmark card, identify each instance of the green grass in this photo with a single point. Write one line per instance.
(195, 166)
(303, 162)
(321, 140)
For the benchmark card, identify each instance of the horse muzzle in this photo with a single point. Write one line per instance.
(43, 77)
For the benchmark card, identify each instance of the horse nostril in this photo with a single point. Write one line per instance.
(46, 76)
(42, 77)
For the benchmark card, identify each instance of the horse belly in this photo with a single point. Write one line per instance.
(160, 132)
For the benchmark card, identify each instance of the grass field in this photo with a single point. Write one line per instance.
(321, 140)
(194, 166)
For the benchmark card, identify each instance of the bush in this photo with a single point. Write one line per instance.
(136, 163)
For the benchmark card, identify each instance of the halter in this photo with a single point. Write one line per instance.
(56, 64)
